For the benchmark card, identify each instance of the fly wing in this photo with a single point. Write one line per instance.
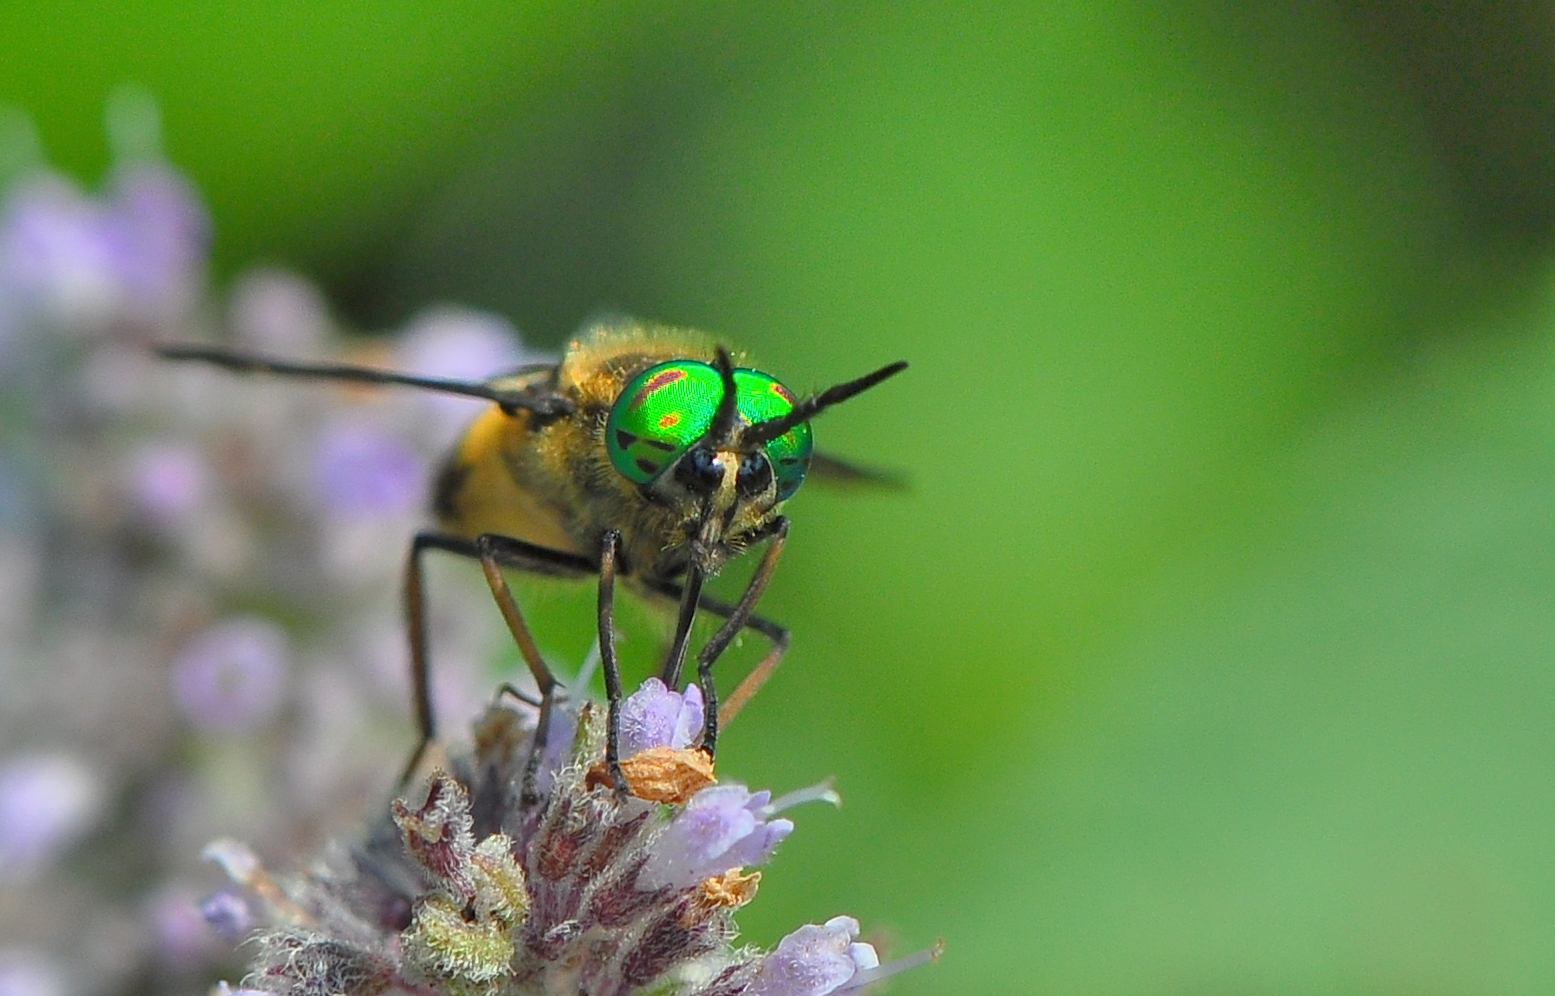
(836, 472)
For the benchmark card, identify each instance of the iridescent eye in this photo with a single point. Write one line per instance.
(668, 408)
(761, 398)
(661, 414)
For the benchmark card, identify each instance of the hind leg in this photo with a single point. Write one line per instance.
(493, 552)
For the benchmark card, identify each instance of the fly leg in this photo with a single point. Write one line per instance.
(775, 633)
(493, 552)
(507, 688)
(690, 598)
(737, 617)
(416, 632)
(733, 623)
(610, 549)
(751, 683)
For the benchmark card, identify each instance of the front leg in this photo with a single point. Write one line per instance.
(610, 548)
(736, 621)
(690, 599)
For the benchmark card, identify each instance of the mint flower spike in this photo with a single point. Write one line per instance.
(654, 716)
(722, 827)
(466, 889)
(134, 255)
(438, 834)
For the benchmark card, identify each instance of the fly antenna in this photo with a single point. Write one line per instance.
(727, 417)
(543, 403)
(810, 407)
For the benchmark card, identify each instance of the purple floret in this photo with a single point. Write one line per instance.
(228, 914)
(814, 961)
(654, 716)
(232, 677)
(160, 234)
(137, 254)
(362, 471)
(720, 828)
(47, 801)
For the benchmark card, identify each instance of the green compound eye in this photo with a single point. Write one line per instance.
(666, 409)
(660, 415)
(760, 399)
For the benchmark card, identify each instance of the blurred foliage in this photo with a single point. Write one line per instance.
(1211, 650)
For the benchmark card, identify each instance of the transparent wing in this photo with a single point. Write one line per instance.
(840, 472)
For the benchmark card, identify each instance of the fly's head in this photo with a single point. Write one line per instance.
(721, 446)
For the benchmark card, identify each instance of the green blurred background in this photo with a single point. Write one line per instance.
(1211, 651)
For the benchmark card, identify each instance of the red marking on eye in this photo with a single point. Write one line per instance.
(670, 421)
(655, 382)
(783, 392)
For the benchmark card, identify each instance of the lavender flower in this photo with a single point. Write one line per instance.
(722, 827)
(814, 961)
(136, 255)
(167, 481)
(821, 960)
(228, 914)
(231, 678)
(279, 313)
(183, 934)
(47, 802)
(57, 258)
(654, 716)
(364, 472)
(159, 234)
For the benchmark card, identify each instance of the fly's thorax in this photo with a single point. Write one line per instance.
(561, 464)
(489, 484)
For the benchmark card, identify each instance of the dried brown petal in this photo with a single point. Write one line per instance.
(663, 774)
(731, 889)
